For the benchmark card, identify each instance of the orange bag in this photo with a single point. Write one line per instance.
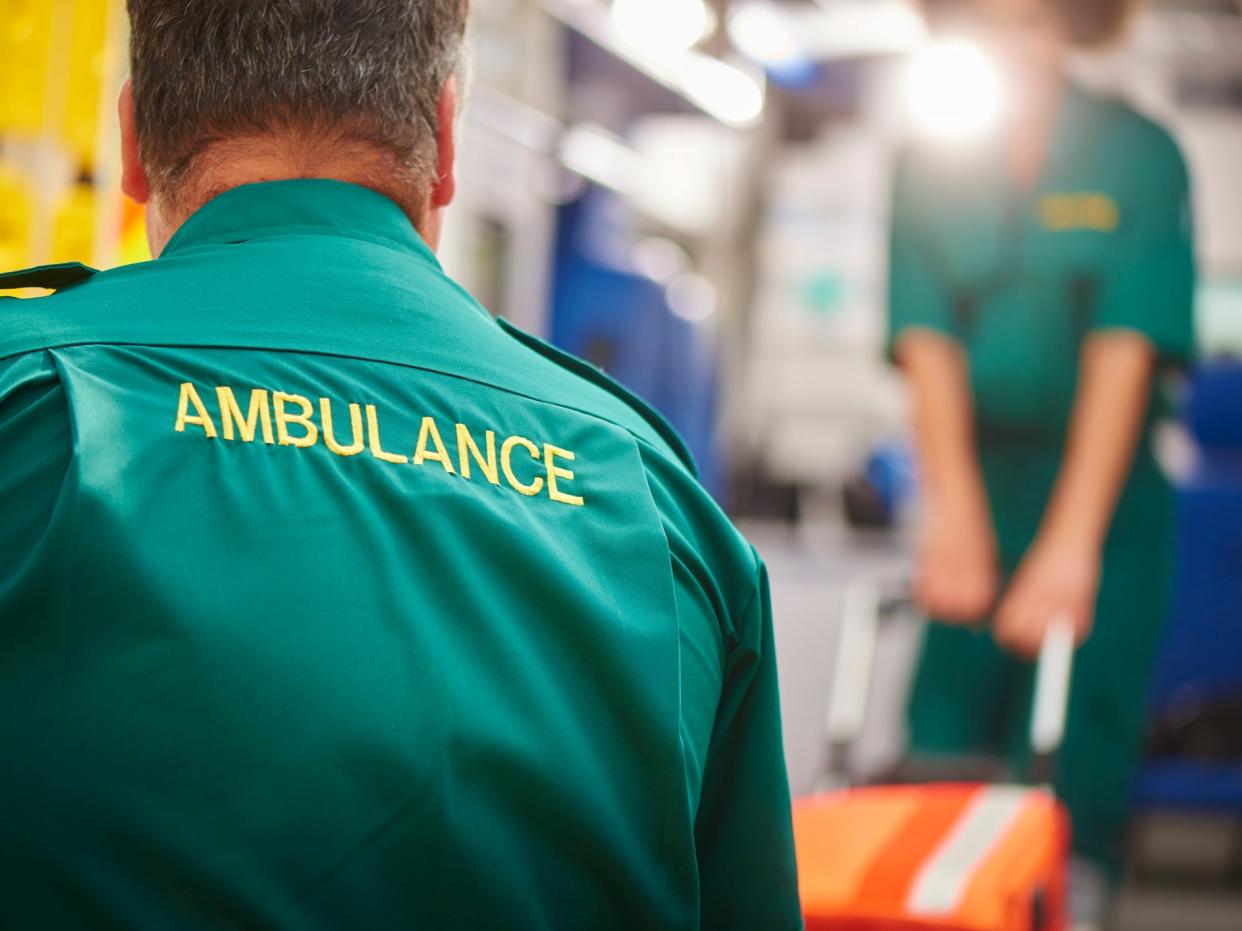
(946, 857)
(949, 857)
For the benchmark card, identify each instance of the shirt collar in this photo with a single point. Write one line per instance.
(302, 206)
(1074, 128)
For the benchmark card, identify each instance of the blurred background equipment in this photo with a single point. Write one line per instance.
(1187, 832)
(694, 195)
(62, 64)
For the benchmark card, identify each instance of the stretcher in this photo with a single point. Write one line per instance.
(948, 857)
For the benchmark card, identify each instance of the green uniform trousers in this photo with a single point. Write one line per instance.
(969, 696)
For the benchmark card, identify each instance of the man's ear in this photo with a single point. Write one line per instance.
(443, 191)
(133, 176)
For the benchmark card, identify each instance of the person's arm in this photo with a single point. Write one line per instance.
(957, 576)
(957, 568)
(748, 876)
(1144, 316)
(1060, 574)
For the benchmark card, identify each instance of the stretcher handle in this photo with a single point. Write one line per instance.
(1050, 705)
(863, 610)
(850, 686)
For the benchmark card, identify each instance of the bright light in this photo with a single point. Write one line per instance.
(692, 297)
(597, 154)
(845, 30)
(765, 32)
(726, 92)
(659, 259)
(667, 25)
(954, 90)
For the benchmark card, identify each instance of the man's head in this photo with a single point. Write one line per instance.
(223, 92)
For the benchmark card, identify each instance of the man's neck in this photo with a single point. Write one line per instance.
(233, 163)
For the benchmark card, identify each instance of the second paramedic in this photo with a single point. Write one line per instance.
(1040, 281)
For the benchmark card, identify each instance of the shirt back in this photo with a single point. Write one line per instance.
(328, 601)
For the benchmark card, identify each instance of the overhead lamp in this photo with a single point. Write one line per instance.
(598, 155)
(662, 25)
(767, 34)
(692, 297)
(954, 91)
(659, 259)
(726, 91)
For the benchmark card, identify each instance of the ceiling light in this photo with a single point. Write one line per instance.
(596, 154)
(659, 259)
(766, 33)
(692, 297)
(723, 90)
(954, 91)
(664, 25)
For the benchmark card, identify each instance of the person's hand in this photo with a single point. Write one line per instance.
(1058, 578)
(957, 574)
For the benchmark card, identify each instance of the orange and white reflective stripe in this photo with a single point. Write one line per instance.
(940, 886)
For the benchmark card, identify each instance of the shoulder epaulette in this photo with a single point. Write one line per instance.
(592, 374)
(53, 277)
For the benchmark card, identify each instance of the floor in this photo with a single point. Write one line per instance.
(811, 574)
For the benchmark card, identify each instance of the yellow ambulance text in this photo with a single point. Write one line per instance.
(277, 418)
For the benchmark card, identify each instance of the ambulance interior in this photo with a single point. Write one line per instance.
(694, 195)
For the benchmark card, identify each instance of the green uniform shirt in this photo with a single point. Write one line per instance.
(328, 601)
(1104, 241)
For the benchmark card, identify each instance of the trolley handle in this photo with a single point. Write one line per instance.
(864, 608)
(1051, 701)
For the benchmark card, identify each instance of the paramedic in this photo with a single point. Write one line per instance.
(327, 600)
(1040, 280)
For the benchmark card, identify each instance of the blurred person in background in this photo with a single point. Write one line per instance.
(504, 664)
(1040, 279)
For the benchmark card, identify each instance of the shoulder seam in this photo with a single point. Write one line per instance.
(593, 415)
(583, 369)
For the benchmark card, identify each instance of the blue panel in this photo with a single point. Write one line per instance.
(622, 322)
(1200, 659)
(687, 391)
(1202, 648)
(1186, 784)
(891, 471)
(1215, 410)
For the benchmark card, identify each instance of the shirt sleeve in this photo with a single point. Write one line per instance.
(917, 297)
(35, 452)
(1151, 289)
(744, 833)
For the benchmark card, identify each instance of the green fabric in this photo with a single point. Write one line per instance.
(969, 696)
(979, 260)
(1104, 241)
(297, 685)
(62, 275)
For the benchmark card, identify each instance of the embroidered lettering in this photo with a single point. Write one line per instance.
(295, 421)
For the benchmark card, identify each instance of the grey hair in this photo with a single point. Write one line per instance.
(368, 71)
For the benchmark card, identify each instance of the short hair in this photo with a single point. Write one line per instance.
(370, 71)
(1088, 23)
